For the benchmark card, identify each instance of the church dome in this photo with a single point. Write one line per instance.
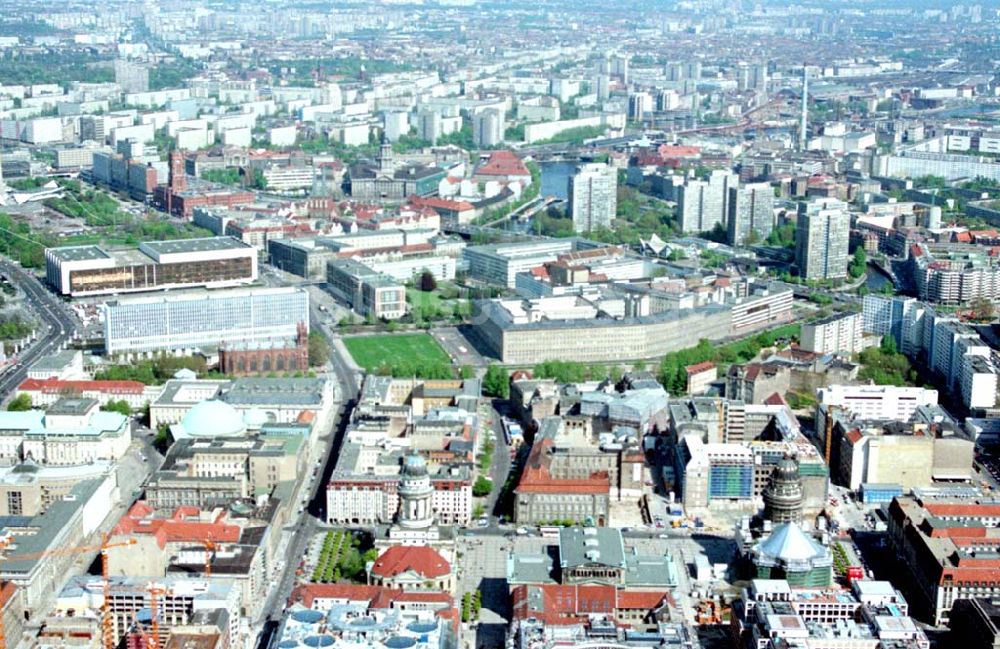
(212, 418)
(414, 466)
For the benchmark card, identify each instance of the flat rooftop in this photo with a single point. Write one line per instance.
(206, 244)
(78, 253)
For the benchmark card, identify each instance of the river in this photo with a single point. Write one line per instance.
(876, 280)
(555, 178)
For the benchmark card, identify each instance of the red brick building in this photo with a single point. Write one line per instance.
(281, 356)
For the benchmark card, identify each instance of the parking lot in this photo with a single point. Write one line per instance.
(457, 347)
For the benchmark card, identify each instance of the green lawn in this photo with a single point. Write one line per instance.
(420, 300)
(372, 352)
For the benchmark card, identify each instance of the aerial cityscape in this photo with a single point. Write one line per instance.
(470, 324)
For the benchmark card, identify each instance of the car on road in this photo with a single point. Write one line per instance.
(522, 531)
(483, 522)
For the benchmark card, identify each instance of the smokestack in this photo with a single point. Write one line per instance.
(805, 109)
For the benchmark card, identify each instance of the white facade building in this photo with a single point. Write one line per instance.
(188, 322)
(877, 402)
(838, 333)
(593, 197)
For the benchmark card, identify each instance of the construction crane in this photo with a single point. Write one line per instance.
(210, 546)
(107, 630)
(155, 591)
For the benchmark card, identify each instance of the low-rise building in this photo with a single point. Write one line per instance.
(156, 265)
(774, 613)
(366, 291)
(70, 432)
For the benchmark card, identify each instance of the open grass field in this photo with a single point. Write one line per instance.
(372, 352)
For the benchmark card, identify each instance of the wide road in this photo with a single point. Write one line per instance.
(307, 524)
(61, 324)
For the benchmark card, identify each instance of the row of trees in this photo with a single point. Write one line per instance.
(673, 374)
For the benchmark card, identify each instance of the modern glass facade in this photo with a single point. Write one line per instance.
(730, 481)
(142, 277)
(204, 320)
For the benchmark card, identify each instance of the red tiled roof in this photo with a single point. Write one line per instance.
(538, 479)
(436, 202)
(503, 163)
(6, 592)
(775, 400)
(565, 604)
(700, 367)
(55, 386)
(423, 560)
(177, 529)
(970, 510)
(376, 596)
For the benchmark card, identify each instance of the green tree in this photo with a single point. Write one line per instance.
(482, 487)
(319, 349)
(427, 283)
(858, 263)
(20, 403)
(119, 406)
(496, 382)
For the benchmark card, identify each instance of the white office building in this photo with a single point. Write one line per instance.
(184, 323)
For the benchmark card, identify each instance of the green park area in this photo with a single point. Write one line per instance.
(400, 355)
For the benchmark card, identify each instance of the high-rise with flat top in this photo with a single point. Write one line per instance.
(751, 213)
(702, 204)
(593, 196)
(821, 239)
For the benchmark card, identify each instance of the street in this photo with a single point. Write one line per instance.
(307, 523)
(52, 312)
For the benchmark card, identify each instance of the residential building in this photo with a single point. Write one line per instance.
(366, 291)
(751, 214)
(839, 333)
(822, 235)
(954, 274)
(192, 321)
(703, 204)
(700, 377)
(156, 265)
(131, 76)
(488, 128)
(593, 197)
